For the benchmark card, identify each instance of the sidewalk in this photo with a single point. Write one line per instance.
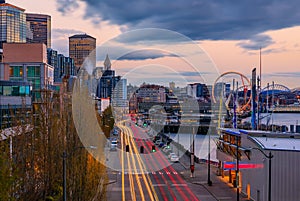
(219, 190)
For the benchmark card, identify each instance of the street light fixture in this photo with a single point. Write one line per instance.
(65, 156)
(269, 156)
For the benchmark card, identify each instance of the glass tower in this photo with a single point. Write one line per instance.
(12, 24)
(82, 46)
(40, 26)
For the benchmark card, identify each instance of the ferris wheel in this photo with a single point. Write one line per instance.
(230, 84)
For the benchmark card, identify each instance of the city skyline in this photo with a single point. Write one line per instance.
(229, 52)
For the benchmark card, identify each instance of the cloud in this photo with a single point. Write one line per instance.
(150, 36)
(256, 42)
(284, 74)
(122, 52)
(199, 20)
(66, 6)
(273, 50)
(60, 39)
(145, 54)
(58, 31)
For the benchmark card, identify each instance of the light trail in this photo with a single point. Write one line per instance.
(146, 179)
(134, 166)
(122, 163)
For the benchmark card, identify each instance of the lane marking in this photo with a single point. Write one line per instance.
(179, 185)
(159, 184)
(146, 177)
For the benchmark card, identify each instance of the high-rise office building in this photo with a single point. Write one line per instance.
(81, 47)
(108, 82)
(40, 26)
(119, 95)
(63, 66)
(12, 24)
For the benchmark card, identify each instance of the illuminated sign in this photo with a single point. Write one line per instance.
(242, 165)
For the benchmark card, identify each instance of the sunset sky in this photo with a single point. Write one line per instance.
(230, 32)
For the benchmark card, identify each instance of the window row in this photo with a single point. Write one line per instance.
(17, 71)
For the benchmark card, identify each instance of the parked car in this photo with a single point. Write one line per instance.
(164, 146)
(156, 138)
(174, 158)
(171, 154)
(166, 149)
(161, 144)
(113, 145)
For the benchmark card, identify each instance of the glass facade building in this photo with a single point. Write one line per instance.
(13, 27)
(15, 103)
(40, 27)
(63, 66)
(11, 88)
(82, 46)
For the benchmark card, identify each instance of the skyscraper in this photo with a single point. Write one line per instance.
(63, 66)
(108, 82)
(107, 63)
(82, 46)
(12, 24)
(119, 95)
(40, 26)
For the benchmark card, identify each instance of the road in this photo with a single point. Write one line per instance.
(148, 175)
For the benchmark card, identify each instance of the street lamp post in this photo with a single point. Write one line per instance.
(237, 170)
(65, 156)
(270, 156)
(209, 182)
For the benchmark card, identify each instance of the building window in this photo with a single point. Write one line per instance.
(33, 71)
(33, 76)
(16, 73)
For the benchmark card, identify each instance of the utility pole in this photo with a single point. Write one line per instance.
(234, 104)
(237, 169)
(209, 182)
(193, 154)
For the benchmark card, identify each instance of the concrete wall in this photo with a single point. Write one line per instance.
(23, 52)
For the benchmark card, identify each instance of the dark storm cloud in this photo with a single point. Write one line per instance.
(198, 19)
(256, 42)
(66, 6)
(145, 54)
(119, 52)
(150, 36)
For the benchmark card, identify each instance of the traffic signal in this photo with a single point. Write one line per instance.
(127, 148)
(142, 149)
(168, 145)
(153, 148)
